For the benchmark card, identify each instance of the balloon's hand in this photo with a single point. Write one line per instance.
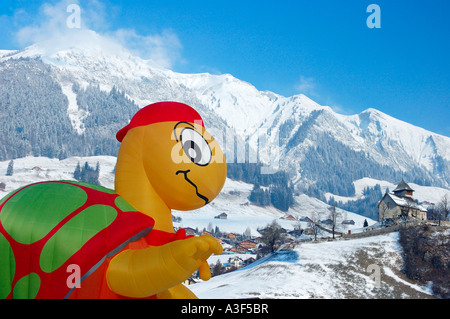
(204, 271)
(192, 253)
(144, 272)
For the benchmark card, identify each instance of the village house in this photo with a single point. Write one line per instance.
(246, 246)
(220, 241)
(290, 218)
(236, 262)
(190, 231)
(231, 236)
(305, 219)
(221, 216)
(191, 280)
(400, 203)
(238, 250)
(327, 222)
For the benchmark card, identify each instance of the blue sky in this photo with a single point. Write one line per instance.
(321, 48)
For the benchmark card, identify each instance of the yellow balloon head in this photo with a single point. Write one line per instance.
(182, 161)
(185, 165)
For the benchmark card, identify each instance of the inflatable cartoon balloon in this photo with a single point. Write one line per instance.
(68, 239)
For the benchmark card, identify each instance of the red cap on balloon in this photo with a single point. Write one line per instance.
(161, 112)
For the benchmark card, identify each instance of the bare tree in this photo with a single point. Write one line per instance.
(412, 208)
(334, 217)
(314, 225)
(444, 208)
(408, 211)
(298, 228)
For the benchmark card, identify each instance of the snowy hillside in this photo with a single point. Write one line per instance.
(331, 270)
(38, 169)
(232, 200)
(241, 214)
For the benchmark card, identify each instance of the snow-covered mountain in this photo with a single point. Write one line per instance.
(322, 151)
(370, 139)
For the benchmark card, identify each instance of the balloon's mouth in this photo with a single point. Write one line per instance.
(193, 184)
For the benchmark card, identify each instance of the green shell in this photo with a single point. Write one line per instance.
(61, 217)
(45, 204)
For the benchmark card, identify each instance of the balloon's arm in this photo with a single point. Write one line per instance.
(145, 272)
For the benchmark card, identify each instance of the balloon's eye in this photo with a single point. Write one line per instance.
(195, 147)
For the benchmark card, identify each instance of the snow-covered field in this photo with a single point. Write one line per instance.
(338, 269)
(233, 200)
(31, 169)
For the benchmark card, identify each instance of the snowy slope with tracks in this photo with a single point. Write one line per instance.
(331, 270)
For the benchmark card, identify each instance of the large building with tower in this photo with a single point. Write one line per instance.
(400, 203)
